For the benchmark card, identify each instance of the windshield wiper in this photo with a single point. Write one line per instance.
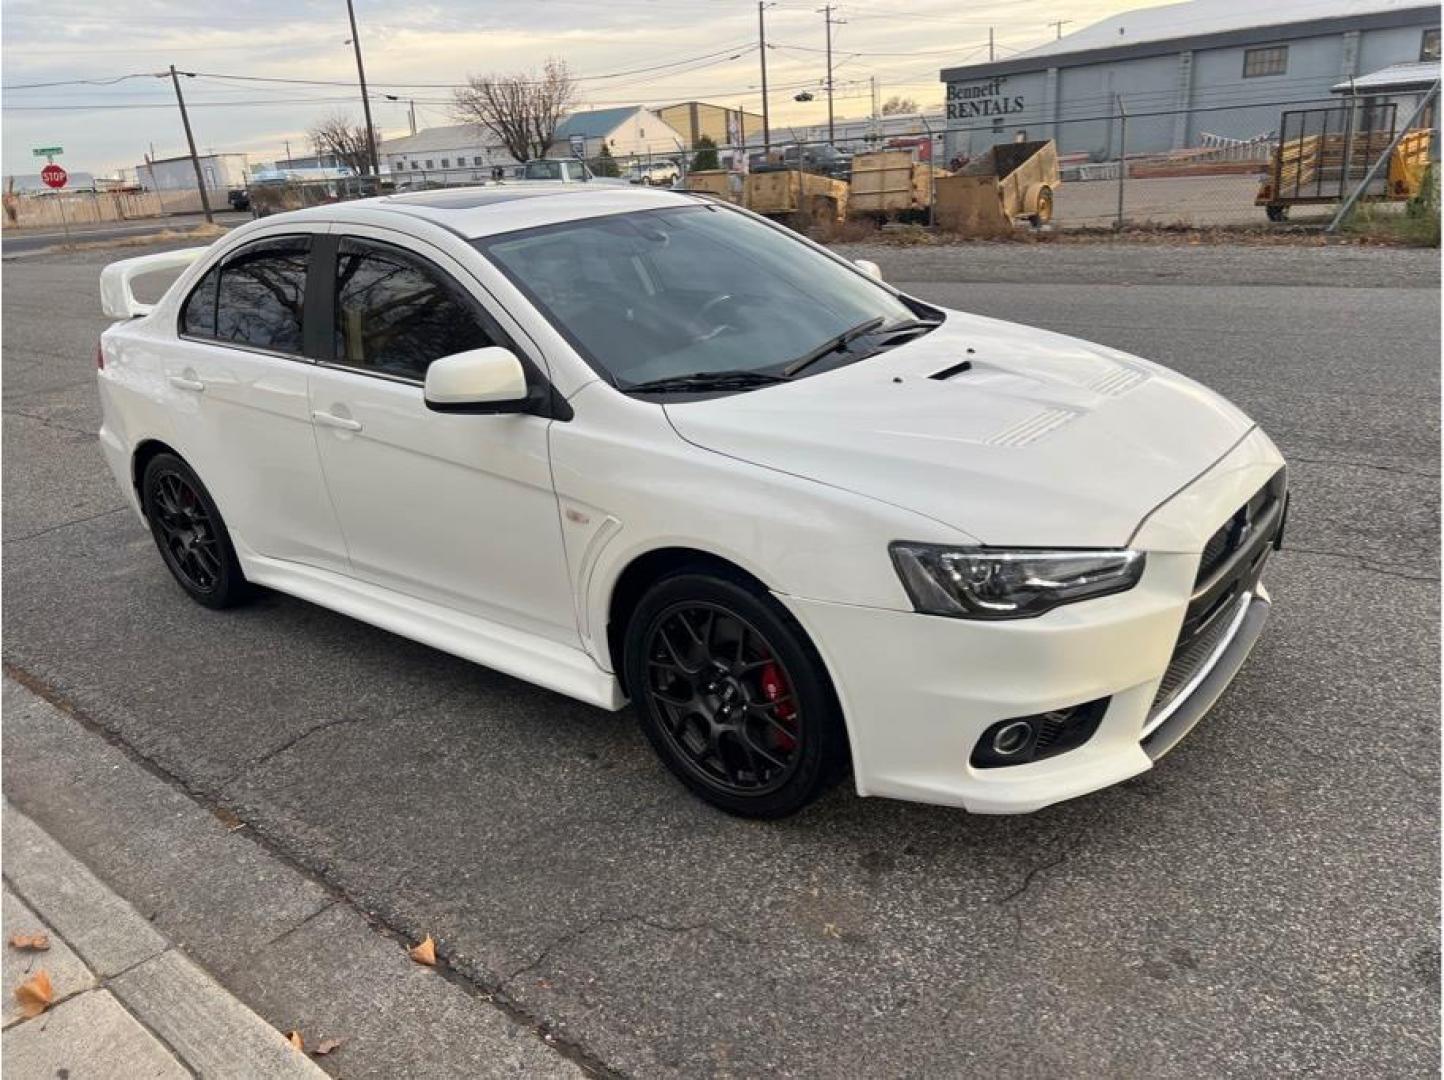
(832, 345)
(707, 380)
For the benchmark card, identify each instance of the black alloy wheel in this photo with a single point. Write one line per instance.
(190, 534)
(732, 696)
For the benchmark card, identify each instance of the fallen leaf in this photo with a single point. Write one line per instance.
(325, 1046)
(37, 941)
(35, 994)
(296, 1043)
(425, 953)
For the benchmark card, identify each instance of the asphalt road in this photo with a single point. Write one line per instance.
(24, 241)
(1265, 901)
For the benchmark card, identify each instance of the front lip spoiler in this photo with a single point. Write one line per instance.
(1210, 688)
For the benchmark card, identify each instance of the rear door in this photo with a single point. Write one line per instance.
(236, 374)
(458, 510)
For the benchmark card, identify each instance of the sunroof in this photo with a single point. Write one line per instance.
(467, 198)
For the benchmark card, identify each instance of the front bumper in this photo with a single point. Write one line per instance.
(918, 690)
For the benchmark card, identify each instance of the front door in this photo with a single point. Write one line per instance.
(458, 510)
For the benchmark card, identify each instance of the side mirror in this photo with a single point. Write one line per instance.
(870, 268)
(489, 380)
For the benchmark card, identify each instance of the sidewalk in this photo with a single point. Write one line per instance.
(219, 914)
(125, 1002)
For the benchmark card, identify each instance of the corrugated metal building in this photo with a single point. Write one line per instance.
(221, 172)
(1223, 67)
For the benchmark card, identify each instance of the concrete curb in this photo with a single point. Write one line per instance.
(205, 1026)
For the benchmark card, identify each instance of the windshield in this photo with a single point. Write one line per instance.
(543, 170)
(660, 294)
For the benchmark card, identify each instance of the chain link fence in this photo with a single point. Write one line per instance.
(1216, 167)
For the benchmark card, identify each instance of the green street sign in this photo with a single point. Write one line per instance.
(48, 151)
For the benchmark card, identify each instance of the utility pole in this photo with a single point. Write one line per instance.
(1058, 24)
(827, 16)
(288, 152)
(411, 114)
(365, 98)
(191, 142)
(990, 44)
(876, 115)
(762, 53)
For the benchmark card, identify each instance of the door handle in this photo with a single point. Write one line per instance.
(180, 382)
(345, 423)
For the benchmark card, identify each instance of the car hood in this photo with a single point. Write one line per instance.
(1043, 440)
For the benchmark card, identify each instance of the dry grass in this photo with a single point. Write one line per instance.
(201, 233)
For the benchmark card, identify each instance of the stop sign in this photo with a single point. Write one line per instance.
(53, 176)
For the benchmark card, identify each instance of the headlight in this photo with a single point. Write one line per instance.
(989, 583)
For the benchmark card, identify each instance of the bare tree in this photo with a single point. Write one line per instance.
(896, 105)
(347, 141)
(522, 110)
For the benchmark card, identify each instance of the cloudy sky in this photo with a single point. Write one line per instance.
(623, 51)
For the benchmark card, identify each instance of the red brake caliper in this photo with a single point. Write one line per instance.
(775, 688)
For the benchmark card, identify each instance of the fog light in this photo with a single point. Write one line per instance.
(1012, 738)
(1021, 739)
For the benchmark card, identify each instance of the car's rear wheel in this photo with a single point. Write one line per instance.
(190, 533)
(732, 695)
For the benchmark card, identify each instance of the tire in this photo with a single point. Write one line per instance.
(1277, 212)
(190, 534)
(1044, 211)
(754, 730)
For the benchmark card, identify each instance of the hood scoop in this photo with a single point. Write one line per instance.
(948, 372)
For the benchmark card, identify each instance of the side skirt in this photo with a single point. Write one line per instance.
(526, 656)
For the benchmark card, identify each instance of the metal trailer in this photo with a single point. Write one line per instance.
(797, 195)
(1009, 183)
(1324, 153)
(892, 184)
(717, 183)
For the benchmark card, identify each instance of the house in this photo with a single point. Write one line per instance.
(627, 132)
(454, 154)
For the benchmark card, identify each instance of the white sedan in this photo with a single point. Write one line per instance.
(631, 444)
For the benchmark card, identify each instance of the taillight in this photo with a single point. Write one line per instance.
(99, 356)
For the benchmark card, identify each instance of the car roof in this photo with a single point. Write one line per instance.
(477, 212)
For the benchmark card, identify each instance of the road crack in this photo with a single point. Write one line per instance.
(562, 940)
(1362, 563)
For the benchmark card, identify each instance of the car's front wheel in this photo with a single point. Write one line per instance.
(733, 696)
(190, 534)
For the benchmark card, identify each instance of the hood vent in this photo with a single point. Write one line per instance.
(949, 372)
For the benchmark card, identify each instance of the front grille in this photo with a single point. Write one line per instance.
(1191, 656)
(1228, 572)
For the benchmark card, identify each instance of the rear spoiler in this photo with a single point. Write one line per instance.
(117, 298)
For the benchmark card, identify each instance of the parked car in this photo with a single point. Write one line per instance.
(564, 170)
(635, 444)
(655, 173)
(239, 199)
(821, 159)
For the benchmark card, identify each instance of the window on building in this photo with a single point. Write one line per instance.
(396, 313)
(415, 166)
(446, 163)
(254, 298)
(399, 166)
(476, 161)
(1429, 46)
(431, 163)
(1272, 60)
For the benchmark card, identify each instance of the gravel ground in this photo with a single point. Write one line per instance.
(1266, 901)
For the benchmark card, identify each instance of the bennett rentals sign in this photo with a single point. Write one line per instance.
(985, 99)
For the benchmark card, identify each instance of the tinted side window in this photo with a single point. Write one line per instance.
(198, 316)
(395, 312)
(262, 288)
